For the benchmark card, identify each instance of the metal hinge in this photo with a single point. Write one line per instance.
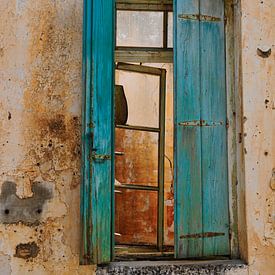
(202, 235)
(199, 17)
(200, 123)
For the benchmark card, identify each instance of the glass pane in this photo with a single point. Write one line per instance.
(136, 217)
(170, 30)
(142, 95)
(139, 162)
(139, 29)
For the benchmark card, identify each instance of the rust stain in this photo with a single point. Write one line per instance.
(27, 251)
(52, 132)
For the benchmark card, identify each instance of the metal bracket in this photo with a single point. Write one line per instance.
(101, 157)
(199, 17)
(200, 123)
(202, 235)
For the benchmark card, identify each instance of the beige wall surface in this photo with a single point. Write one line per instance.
(258, 74)
(40, 99)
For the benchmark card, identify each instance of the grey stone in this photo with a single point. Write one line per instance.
(27, 210)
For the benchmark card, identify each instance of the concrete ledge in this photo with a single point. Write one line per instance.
(175, 267)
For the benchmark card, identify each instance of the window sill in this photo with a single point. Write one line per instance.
(175, 267)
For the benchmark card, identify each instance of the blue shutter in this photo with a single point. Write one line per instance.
(201, 176)
(97, 134)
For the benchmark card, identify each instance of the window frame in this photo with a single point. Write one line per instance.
(235, 144)
(146, 54)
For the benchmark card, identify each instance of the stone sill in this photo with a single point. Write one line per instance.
(227, 267)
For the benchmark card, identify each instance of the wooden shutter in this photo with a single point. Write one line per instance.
(97, 134)
(201, 173)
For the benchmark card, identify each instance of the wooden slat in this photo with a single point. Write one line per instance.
(202, 222)
(102, 116)
(138, 128)
(214, 139)
(138, 69)
(188, 193)
(97, 186)
(155, 2)
(86, 221)
(145, 5)
(144, 55)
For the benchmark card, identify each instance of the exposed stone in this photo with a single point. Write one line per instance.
(26, 210)
(174, 268)
(26, 251)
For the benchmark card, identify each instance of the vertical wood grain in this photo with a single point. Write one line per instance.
(201, 168)
(188, 198)
(86, 222)
(97, 187)
(214, 139)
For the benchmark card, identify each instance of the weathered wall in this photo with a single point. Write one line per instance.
(258, 31)
(40, 72)
(40, 90)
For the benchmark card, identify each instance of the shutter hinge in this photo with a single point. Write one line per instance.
(200, 123)
(202, 235)
(199, 17)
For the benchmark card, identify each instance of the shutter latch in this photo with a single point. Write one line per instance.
(99, 157)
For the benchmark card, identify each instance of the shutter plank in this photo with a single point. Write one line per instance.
(97, 187)
(102, 113)
(188, 199)
(214, 138)
(201, 184)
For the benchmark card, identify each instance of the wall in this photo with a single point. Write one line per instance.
(258, 31)
(40, 72)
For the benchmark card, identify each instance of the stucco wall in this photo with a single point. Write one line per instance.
(258, 31)
(40, 100)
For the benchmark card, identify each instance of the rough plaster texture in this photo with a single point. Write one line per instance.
(40, 98)
(258, 31)
(40, 106)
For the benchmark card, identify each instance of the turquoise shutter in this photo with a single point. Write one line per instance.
(97, 134)
(201, 176)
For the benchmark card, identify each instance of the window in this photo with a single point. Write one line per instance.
(200, 126)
